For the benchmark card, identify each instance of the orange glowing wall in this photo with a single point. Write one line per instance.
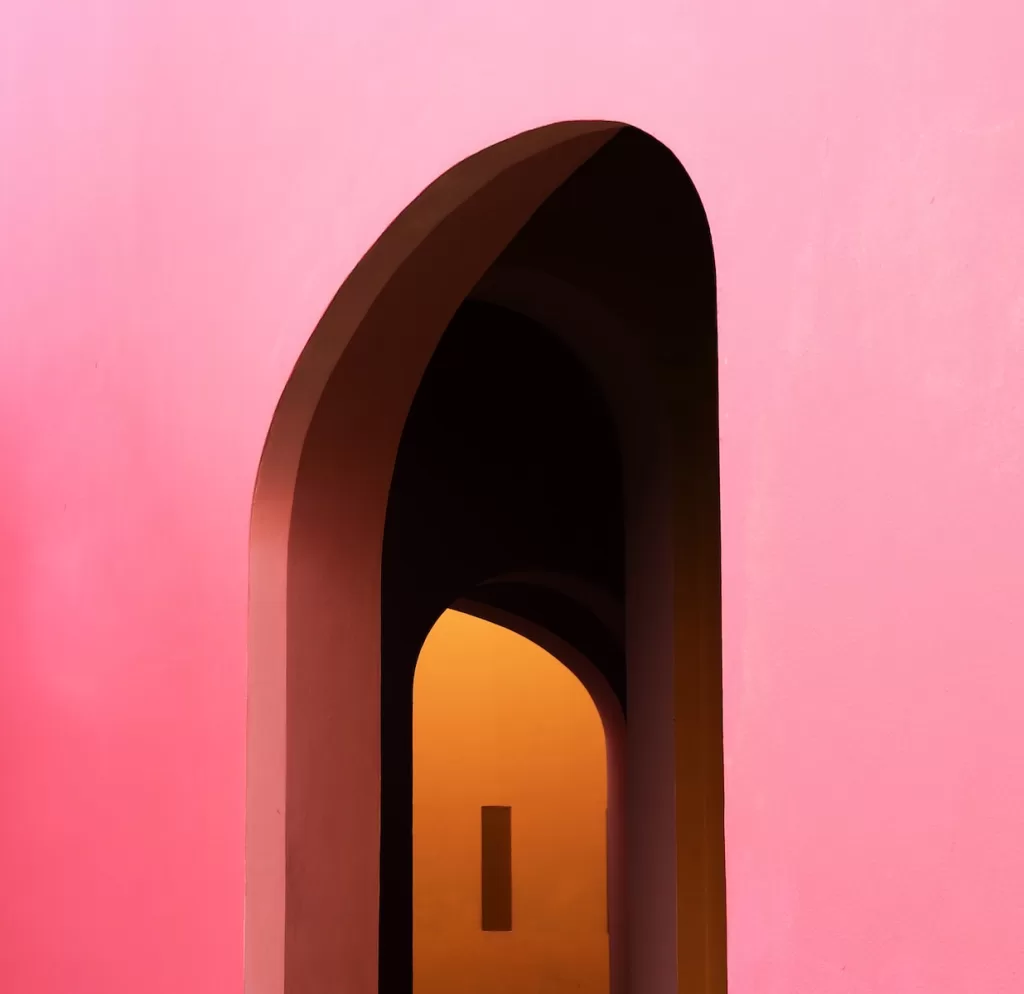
(499, 721)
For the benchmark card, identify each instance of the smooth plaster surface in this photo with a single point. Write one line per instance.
(185, 186)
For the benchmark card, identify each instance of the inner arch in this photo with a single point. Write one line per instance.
(499, 721)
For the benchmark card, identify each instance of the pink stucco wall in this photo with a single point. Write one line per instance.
(182, 189)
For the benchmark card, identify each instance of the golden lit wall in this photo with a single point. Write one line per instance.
(499, 721)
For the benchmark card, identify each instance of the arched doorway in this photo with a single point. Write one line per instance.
(590, 237)
(507, 500)
(509, 807)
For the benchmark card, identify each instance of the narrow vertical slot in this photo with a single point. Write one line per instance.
(496, 868)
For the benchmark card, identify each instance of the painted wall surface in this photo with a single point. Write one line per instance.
(498, 720)
(182, 189)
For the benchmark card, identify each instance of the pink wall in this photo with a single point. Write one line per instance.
(184, 186)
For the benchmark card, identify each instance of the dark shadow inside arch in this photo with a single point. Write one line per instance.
(508, 465)
(510, 496)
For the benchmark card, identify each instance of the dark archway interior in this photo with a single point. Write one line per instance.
(508, 489)
(508, 467)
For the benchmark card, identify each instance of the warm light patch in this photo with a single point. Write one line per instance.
(500, 722)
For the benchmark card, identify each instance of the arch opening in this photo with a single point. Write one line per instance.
(510, 407)
(507, 487)
(502, 726)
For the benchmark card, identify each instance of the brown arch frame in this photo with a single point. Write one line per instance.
(312, 818)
